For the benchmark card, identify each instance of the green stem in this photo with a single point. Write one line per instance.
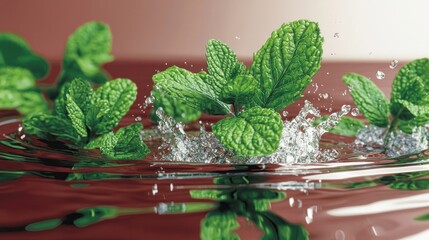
(392, 128)
(236, 110)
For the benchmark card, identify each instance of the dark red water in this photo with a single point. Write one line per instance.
(49, 190)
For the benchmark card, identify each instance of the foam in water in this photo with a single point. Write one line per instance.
(299, 142)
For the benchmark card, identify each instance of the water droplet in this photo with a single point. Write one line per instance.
(154, 189)
(393, 64)
(340, 235)
(327, 73)
(171, 187)
(166, 64)
(291, 201)
(336, 35)
(380, 75)
(285, 113)
(324, 95)
(138, 119)
(186, 63)
(355, 112)
(237, 37)
(344, 93)
(310, 214)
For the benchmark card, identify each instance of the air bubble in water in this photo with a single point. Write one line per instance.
(393, 64)
(380, 75)
(355, 112)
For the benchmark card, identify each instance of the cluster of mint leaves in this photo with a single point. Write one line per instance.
(81, 115)
(19, 69)
(409, 102)
(280, 72)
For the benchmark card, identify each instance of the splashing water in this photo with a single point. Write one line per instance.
(300, 139)
(373, 138)
(178, 146)
(299, 142)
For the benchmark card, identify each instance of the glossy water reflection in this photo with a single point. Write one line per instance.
(49, 190)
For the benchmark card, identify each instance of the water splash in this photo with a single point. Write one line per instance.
(373, 138)
(203, 147)
(300, 139)
(299, 142)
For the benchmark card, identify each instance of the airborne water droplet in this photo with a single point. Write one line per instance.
(380, 75)
(336, 35)
(355, 112)
(138, 119)
(393, 64)
(324, 95)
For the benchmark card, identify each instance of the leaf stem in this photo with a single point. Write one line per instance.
(236, 109)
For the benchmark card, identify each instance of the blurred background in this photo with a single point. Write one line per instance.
(151, 35)
(364, 30)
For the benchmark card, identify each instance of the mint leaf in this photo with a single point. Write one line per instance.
(172, 107)
(370, 100)
(130, 144)
(120, 95)
(88, 48)
(45, 126)
(105, 142)
(240, 90)
(95, 113)
(222, 64)
(192, 89)
(255, 132)
(10, 99)
(32, 102)
(76, 116)
(286, 63)
(126, 143)
(410, 87)
(347, 126)
(15, 52)
(81, 92)
(16, 78)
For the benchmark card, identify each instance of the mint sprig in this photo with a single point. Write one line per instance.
(81, 115)
(409, 101)
(87, 49)
(87, 117)
(280, 72)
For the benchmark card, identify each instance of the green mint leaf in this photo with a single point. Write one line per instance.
(424, 217)
(120, 94)
(410, 87)
(347, 126)
(76, 116)
(255, 132)
(130, 144)
(10, 99)
(32, 102)
(172, 107)
(219, 225)
(15, 52)
(95, 113)
(241, 90)
(286, 63)
(100, 77)
(408, 126)
(105, 142)
(420, 112)
(82, 93)
(88, 48)
(192, 89)
(16, 78)
(222, 64)
(370, 100)
(126, 143)
(45, 126)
